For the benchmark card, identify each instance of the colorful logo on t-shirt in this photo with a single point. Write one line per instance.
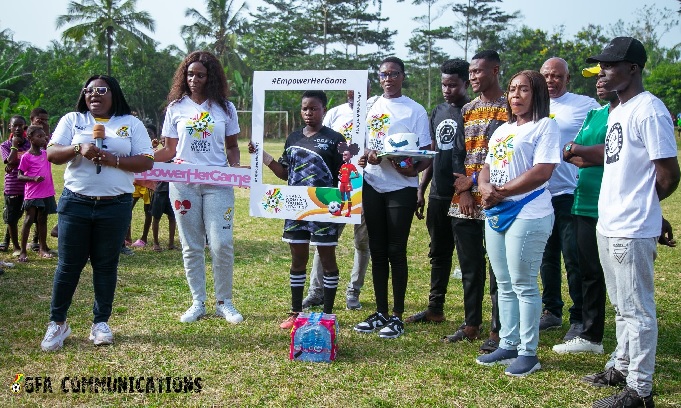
(378, 128)
(200, 126)
(502, 151)
(123, 131)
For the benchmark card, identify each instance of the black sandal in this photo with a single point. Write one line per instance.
(489, 346)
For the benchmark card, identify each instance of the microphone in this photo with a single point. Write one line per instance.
(98, 134)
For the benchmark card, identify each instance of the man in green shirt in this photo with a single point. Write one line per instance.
(586, 152)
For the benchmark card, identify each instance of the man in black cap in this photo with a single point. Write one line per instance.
(640, 169)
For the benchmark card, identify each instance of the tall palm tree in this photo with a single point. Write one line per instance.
(107, 22)
(219, 27)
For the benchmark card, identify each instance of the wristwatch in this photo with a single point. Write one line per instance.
(568, 147)
(76, 149)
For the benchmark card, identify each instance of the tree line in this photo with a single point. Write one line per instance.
(106, 36)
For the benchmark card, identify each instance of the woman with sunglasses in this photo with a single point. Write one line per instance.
(389, 196)
(95, 206)
(201, 127)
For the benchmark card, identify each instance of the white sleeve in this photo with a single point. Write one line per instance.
(657, 134)
(169, 124)
(547, 148)
(231, 121)
(63, 133)
(141, 144)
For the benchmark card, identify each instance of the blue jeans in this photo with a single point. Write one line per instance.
(93, 229)
(515, 255)
(562, 241)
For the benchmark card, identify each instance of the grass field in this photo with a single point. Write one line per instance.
(247, 364)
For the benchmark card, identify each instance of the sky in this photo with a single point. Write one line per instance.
(169, 16)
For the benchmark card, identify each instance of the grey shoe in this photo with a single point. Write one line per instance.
(312, 300)
(575, 330)
(549, 321)
(352, 300)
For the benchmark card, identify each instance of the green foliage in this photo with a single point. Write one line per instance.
(664, 82)
(105, 23)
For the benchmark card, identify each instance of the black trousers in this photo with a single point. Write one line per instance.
(593, 281)
(388, 217)
(441, 251)
(470, 248)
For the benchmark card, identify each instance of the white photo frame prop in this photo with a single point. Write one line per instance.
(299, 202)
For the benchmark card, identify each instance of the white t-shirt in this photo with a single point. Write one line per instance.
(124, 136)
(514, 149)
(639, 131)
(388, 116)
(569, 112)
(201, 130)
(340, 120)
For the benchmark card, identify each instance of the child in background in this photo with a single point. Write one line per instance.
(12, 150)
(36, 171)
(40, 117)
(144, 189)
(160, 204)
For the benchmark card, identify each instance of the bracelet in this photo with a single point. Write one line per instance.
(13, 148)
(474, 176)
(235, 164)
(118, 161)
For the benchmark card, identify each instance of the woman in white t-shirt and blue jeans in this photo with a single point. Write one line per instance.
(389, 196)
(523, 153)
(201, 127)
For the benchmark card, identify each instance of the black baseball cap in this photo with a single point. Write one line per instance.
(622, 49)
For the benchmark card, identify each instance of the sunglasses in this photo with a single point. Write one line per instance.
(391, 75)
(97, 90)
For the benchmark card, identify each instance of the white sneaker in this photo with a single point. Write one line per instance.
(55, 336)
(578, 345)
(229, 312)
(194, 313)
(100, 334)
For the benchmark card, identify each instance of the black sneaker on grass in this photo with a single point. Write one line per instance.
(611, 377)
(627, 398)
(372, 323)
(393, 329)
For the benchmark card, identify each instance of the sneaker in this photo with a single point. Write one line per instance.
(578, 345)
(35, 247)
(352, 300)
(627, 398)
(138, 244)
(574, 331)
(522, 366)
(372, 323)
(229, 312)
(611, 377)
(499, 356)
(194, 313)
(288, 323)
(393, 329)
(55, 336)
(312, 300)
(426, 316)
(100, 334)
(4, 264)
(127, 251)
(549, 321)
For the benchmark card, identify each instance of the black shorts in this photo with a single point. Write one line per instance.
(312, 232)
(48, 204)
(160, 204)
(13, 208)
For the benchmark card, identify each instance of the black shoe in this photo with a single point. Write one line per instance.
(374, 322)
(627, 398)
(393, 329)
(608, 378)
(426, 316)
